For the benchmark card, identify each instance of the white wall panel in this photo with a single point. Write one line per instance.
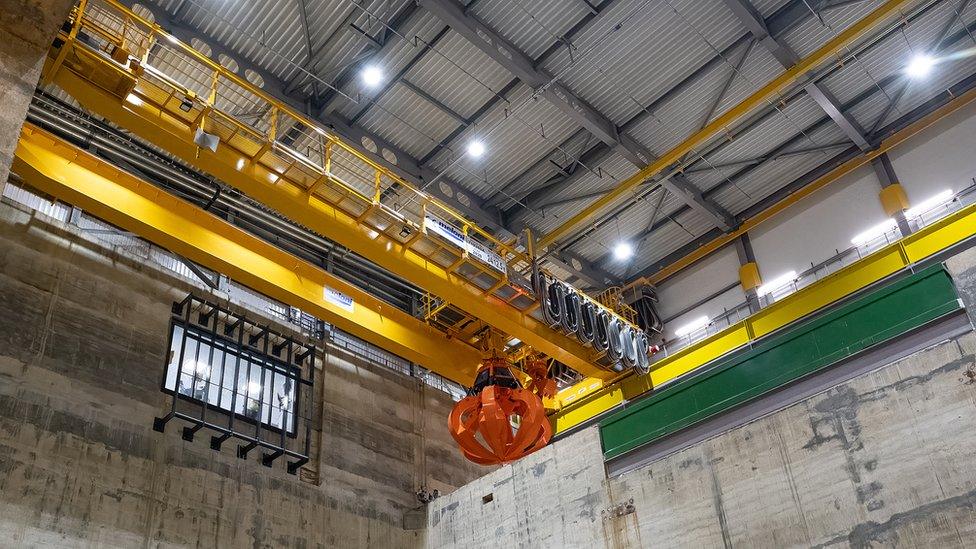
(691, 285)
(942, 157)
(714, 308)
(813, 229)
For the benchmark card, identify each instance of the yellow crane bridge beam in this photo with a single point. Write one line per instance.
(120, 198)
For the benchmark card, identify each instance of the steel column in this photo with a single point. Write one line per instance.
(887, 177)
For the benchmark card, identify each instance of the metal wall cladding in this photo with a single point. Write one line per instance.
(879, 316)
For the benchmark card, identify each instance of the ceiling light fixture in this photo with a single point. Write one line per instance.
(920, 66)
(691, 327)
(930, 204)
(623, 251)
(874, 232)
(372, 76)
(476, 149)
(776, 283)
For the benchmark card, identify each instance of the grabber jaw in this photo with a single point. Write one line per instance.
(484, 426)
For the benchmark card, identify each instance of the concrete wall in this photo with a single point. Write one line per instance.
(82, 341)
(26, 30)
(552, 498)
(884, 459)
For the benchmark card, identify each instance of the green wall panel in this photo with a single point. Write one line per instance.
(814, 344)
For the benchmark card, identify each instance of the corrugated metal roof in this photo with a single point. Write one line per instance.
(602, 176)
(766, 179)
(659, 42)
(516, 134)
(459, 75)
(272, 33)
(531, 26)
(768, 7)
(399, 52)
(786, 122)
(815, 31)
(408, 121)
(943, 76)
(759, 68)
(890, 55)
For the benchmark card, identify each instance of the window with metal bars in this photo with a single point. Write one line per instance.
(239, 379)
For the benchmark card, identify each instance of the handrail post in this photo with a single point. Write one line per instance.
(273, 129)
(328, 158)
(72, 34)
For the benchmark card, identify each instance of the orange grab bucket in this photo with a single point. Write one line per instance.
(483, 423)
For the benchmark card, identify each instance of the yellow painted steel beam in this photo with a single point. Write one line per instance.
(591, 397)
(77, 177)
(723, 123)
(94, 81)
(837, 173)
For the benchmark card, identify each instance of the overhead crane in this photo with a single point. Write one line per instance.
(119, 66)
(132, 72)
(135, 74)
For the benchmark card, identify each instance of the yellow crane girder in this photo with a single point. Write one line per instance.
(70, 174)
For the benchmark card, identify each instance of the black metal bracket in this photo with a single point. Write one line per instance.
(159, 423)
(188, 432)
(217, 440)
(229, 328)
(253, 339)
(244, 449)
(294, 466)
(308, 352)
(267, 458)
